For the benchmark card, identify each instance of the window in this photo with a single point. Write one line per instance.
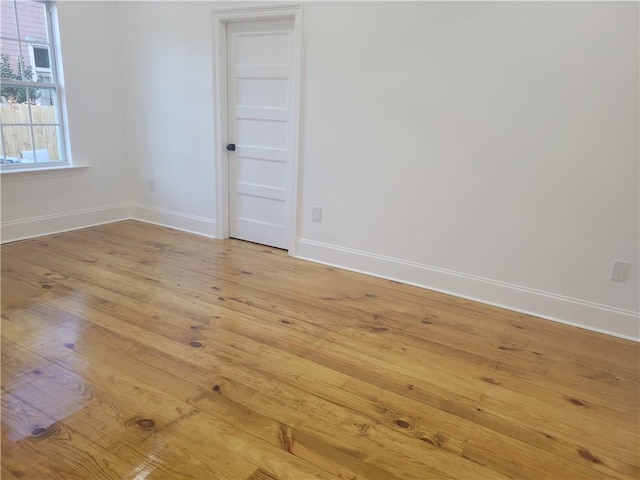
(31, 123)
(39, 56)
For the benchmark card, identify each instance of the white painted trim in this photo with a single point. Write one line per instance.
(91, 217)
(591, 316)
(38, 172)
(171, 219)
(579, 313)
(221, 17)
(221, 135)
(266, 11)
(62, 222)
(296, 129)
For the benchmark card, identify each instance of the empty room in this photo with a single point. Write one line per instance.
(320, 240)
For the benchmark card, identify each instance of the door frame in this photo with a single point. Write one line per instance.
(222, 17)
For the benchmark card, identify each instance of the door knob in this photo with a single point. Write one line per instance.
(231, 147)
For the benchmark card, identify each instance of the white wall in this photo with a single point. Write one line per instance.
(486, 149)
(44, 202)
(169, 48)
(495, 140)
(170, 129)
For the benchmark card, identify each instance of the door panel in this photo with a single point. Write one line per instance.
(269, 132)
(262, 92)
(259, 65)
(259, 171)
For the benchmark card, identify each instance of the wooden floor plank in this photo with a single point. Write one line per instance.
(131, 426)
(607, 395)
(30, 434)
(504, 350)
(289, 369)
(404, 296)
(143, 394)
(259, 424)
(261, 475)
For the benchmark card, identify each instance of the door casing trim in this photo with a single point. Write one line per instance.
(221, 17)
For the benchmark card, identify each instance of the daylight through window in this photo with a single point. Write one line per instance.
(31, 126)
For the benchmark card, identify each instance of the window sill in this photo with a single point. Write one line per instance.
(18, 174)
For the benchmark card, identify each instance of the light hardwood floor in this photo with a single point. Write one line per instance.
(131, 351)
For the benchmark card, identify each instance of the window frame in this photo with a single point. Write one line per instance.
(57, 86)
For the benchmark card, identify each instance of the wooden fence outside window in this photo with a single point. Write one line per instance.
(18, 139)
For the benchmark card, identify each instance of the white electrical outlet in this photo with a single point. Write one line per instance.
(152, 184)
(620, 271)
(316, 214)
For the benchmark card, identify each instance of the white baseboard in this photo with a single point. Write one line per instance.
(168, 218)
(91, 217)
(570, 311)
(62, 222)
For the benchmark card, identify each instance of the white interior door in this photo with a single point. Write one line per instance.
(260, 97)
